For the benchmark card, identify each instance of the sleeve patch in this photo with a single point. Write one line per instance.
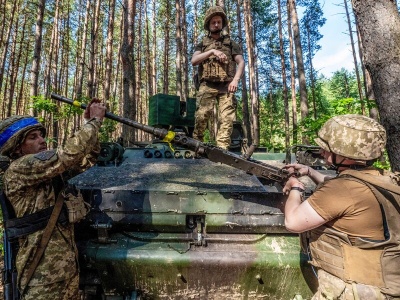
(45, 155)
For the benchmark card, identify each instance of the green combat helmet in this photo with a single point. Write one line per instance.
(13, 131)
(212, 12)
(353, 136)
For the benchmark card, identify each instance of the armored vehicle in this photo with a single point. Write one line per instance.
(166, 225)
(174, 218)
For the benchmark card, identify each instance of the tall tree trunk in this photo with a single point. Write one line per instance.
(292, 77)
(16, 66)
(93, 50)
(379, 25)
(138, 70)
(82, 53)
(118, 68)
(37, 52)
(63, 71)
(166, 49)
(50, 73)
(353, 48)
(369, 92)
(300, 64)
(312, 80)
(65, 53)
(252, 72)
(16, 41)
(12, 70)
(128, 70)
(195, 12)
(21, 102)
(53, 51)
(110, 38)
(3, 12)
(149, 58)
(184, 37)
(178, 57)
(284, 85)
(245, 99)
(53, 63)
(271, 109)
(3, 60)
(153, 73)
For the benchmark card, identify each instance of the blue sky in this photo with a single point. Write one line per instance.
(336, 49)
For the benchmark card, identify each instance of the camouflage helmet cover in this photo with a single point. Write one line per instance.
(13, 131)
(353, 136)
(212, 12)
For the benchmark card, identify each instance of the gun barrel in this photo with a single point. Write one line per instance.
(211, 152)
(159, 132)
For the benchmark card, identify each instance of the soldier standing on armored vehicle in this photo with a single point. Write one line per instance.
(349, 224)
(47, 258)
(217, 56)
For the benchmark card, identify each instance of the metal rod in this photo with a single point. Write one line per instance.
(159, 132)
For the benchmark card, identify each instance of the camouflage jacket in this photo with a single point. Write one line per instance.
(28, 185)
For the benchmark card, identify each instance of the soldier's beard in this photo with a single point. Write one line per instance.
(215, 31)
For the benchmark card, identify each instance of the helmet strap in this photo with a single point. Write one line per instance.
(336, 166)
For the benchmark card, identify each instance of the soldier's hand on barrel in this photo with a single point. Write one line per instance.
(95, 109)
(298, 169)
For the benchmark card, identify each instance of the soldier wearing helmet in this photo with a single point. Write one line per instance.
(32, 183)
(220, 66)
(343, 222)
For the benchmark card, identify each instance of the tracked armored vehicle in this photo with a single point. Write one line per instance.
(166, 225)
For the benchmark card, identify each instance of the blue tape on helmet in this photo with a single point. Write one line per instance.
(14, 128)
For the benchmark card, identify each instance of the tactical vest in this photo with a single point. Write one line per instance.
(213, 70)
(370, 262)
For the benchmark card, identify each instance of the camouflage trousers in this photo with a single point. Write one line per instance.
(333, 288)
(63, 290)
(207, 97)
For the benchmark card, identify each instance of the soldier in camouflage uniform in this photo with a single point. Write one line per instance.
(343, 224)
(29, 184)
(217, 56)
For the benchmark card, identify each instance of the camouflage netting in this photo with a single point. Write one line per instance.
(353, 136)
